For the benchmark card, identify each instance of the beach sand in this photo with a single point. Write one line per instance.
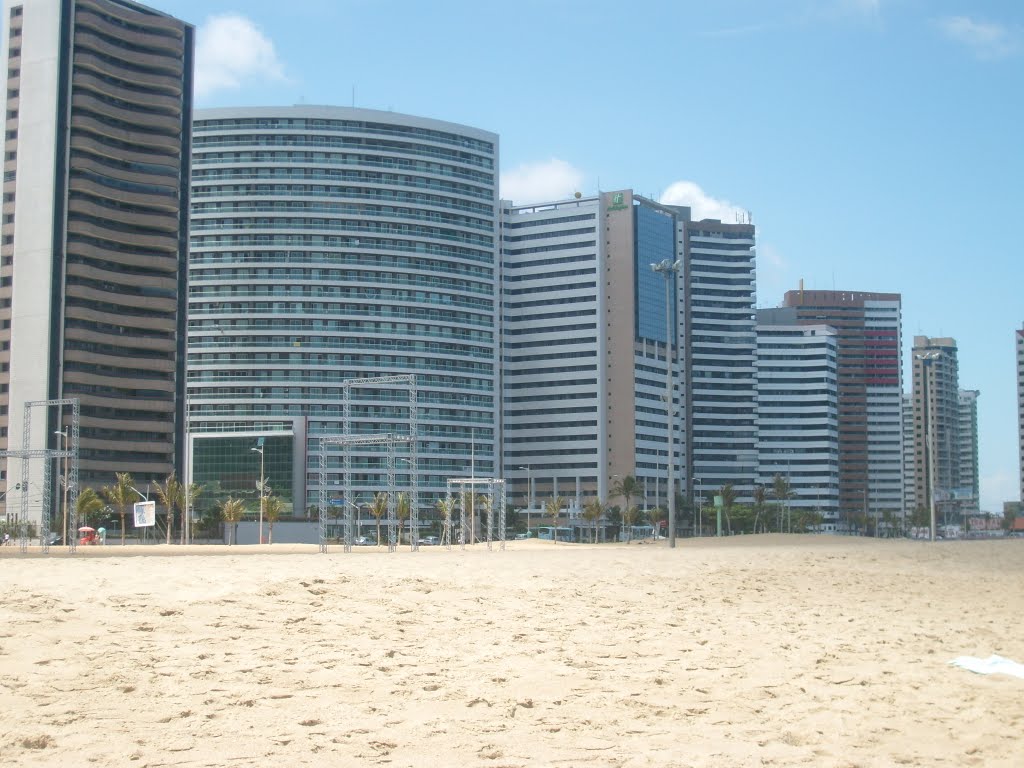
(754, 650)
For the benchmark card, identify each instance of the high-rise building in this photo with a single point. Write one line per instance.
(936, 425)
(797, 411)
(968, 486)
(909, 455)
(589, 341)
(719, 350)
(553, 357)
(93, 251)
(330, 244)
(868, 328)
(585, 347)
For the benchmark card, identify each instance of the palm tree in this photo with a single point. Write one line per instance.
(446, 507)
(379, 508)
(195, 490)
(89, 503)
(553, 507)
(121, 494)
(403, 507)
(728, 494)
(593, 511)
(483, 500)
(231, 510)
(760, 493)
(272, 508)
(171, 495)
(781, 492)
(743, 514)
(627, 487)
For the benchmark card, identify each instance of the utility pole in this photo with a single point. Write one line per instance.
(262, 486)
(669, 270)
(929, 457)
(529, 508)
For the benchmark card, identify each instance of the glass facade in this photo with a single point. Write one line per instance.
(228, 466)
(655, 242)
(329, 244)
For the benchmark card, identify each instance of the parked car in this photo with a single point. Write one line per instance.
(429, 541)
(363, 541)
(55, 539)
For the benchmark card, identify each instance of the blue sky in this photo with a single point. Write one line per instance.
(876, 143)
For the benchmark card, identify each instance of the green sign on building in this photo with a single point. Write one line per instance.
(618, 202)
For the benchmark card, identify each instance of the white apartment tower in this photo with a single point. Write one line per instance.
(969, 486)
(869, 329)
(719, 338)
(798, 422)
(584, 350)
(591, 332)
(329, 245)
(909, 497)
(936, 425)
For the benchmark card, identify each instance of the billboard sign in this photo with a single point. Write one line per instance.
(145, 514)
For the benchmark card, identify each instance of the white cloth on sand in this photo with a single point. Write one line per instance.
(990, 666)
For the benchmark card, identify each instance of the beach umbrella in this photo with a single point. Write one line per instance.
(86, 529)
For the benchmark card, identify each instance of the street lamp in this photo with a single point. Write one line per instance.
(669, 270)
(262, 485)
(926, 361)
(529, 508)
(348, 528)
(698, 520)
(64, 434)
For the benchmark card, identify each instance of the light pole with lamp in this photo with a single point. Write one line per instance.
(64, 434)
(348, 537)
(698, 519)
(926, 361)
(262, 485)
(529, 483)
(669, 270)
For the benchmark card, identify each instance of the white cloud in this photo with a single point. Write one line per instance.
(702, 205)
(231, 49)
(987, 40)
(540, 182)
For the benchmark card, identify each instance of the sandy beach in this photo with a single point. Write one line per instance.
(756, 650)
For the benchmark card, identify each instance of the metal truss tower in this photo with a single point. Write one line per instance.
(388, 439)
(495, 508)
(26, 454)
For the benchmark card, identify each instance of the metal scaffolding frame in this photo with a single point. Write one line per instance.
(26, 454)
(495, 508)
(389, 439)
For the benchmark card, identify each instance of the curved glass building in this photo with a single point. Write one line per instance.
(329, 244)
